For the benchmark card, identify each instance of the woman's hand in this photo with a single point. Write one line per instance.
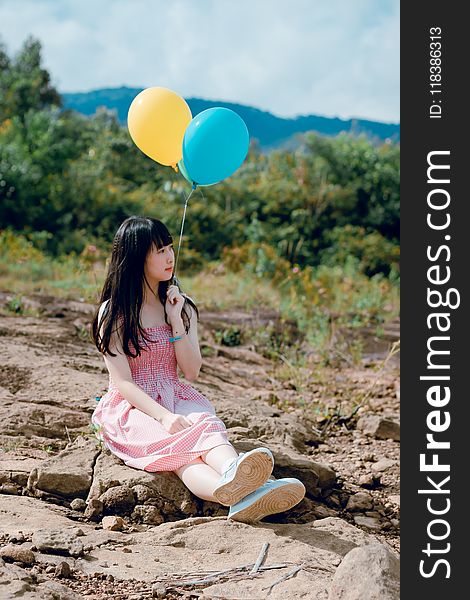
(174, 423)
(174, 304)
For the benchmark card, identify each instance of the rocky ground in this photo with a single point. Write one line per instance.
(76, 522)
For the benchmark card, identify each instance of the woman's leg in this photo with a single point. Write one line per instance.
(217, 456)
(200, 478)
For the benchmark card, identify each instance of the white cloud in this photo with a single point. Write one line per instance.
(336, 58)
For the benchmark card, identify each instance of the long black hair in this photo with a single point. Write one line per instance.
(124, 285)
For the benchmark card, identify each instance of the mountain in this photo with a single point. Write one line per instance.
(271, 132)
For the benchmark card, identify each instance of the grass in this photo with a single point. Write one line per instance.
(327, 303)
(321, 312)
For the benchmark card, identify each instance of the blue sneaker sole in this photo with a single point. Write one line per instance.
(278, 499)
(252, 471)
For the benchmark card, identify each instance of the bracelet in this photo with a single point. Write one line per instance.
(174, 339)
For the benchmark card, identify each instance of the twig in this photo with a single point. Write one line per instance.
(283, 578)
(67, 431)
(260, 559)
(218, 575)
(317, 568)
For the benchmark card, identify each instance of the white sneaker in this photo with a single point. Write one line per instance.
(272, 497)
(244, 475)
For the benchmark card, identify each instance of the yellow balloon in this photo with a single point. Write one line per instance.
(157, 120)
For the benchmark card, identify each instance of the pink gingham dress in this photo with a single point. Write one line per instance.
(140, 440)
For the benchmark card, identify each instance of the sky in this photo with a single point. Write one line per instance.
(336, 58)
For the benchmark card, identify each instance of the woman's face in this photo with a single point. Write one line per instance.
(159, 263)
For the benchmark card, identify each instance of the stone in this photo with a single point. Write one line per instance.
(368, 522)
(316, 476)
(148, 514)
(369, 572)
(338, 535)
(78, 504)
(94, 509)
(118, 499)
(62, 569)
(69, 473)
(370, 480)
(57, 541)
(18, 554)
(359, 501)
(142, 493)
(52, 590)
(159, 591)
(383, 464)
(113, 523)
(382, 428)
(164, 488)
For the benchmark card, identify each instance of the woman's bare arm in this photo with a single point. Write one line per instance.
(188, 353)
(119, 370)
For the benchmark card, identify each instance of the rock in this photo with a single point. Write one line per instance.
(16, 580)
(317, 477)
(359, 501)
(369, 480)
(368, 522)
(10, 488)
(57, 541)
(17, 554)
(52, 590)
(94, 509)
(163, 489)
(150, 515)
(78, 504)
(142, 493)
(159, 591)
(15, 468)
(337, 535)
(68, 474)
(118, 499)
(395, 499)
(112, 523)
(383, 464)
(322, 512)
(382, 428)
(63, 569)
(369, 572)
(334, 500)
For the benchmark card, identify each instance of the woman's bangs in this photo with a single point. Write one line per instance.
(160, 238)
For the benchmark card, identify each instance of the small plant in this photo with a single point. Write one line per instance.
(15, 305)
(49, 448)
(208, 351)
(231, 336)
(83, 333)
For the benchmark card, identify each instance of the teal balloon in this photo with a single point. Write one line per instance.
(215, 144)
(183, 171)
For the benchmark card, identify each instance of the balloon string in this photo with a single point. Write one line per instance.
(181, 232)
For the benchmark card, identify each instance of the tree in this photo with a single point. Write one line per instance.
(24, 83)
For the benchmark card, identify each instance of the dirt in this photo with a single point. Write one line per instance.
(51, 374)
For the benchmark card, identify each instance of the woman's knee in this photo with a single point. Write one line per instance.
(196, 461)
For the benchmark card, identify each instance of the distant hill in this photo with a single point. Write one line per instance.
(271, 132)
